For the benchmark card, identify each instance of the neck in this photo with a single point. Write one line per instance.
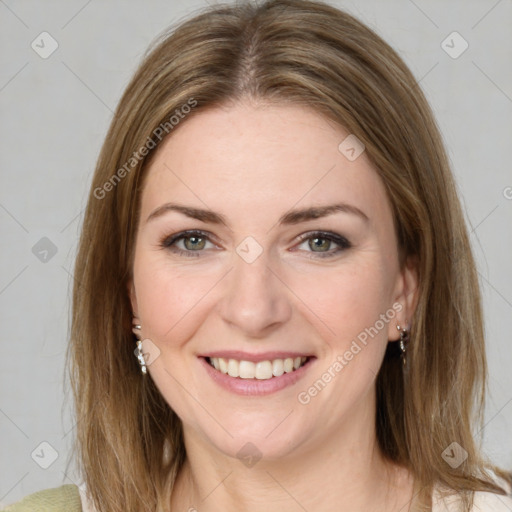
(346, 473)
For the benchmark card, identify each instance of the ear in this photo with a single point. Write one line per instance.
(133, 298)
(405, 297)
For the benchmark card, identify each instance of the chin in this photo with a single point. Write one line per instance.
(265, 439)
(250, 450)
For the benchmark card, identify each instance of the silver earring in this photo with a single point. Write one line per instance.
(404, 340)
(138, 351)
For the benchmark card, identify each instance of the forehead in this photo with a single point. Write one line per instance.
(262, 158)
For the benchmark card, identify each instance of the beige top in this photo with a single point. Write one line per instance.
(87, 506)
(483, 502)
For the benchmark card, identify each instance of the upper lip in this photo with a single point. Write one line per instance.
(255, 358)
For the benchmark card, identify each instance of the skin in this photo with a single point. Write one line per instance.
(252, 163)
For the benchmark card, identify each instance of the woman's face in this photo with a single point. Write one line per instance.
(263, 243)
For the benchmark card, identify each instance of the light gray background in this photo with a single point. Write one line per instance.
(55, 113)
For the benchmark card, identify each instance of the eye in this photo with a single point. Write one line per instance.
(188, 242)
(321, 244)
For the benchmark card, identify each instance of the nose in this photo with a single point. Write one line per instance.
(255, 300)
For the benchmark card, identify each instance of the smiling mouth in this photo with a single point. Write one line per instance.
(262, 370)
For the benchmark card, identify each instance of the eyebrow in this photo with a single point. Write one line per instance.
(289, 218)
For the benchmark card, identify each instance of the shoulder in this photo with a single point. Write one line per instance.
(489, 501)
(482, 501)
(65, 498)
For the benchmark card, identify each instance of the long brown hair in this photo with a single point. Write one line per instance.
(310, 54)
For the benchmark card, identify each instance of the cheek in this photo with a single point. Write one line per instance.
(172, 305)
(347, 311)
(169, 299)
(348, 300)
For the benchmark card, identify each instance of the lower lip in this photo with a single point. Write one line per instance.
(255, 387)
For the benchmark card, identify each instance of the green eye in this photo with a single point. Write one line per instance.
(188, 243)
(323, 244)
(194, 243)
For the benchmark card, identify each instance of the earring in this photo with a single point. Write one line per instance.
(138, 351)
(404, 340)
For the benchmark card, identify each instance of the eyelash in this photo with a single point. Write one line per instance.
(340, 241)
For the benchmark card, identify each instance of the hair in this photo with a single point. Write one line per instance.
(310, 54)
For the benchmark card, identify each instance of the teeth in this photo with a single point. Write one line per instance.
(277, 367)
(233, 368)
(263, 370)
(247, 370)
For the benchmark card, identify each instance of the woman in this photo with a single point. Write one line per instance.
(273, 216)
